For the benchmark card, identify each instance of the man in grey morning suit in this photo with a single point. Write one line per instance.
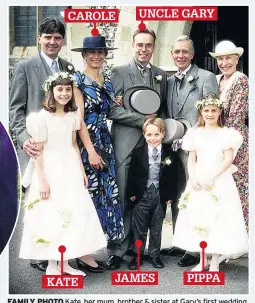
(26, 94)
(188, 85)
(127, 125)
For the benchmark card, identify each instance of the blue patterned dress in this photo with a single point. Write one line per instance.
(102, 183)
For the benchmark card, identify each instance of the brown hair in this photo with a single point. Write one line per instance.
(49, 102)
(146, 31)
(157, 122)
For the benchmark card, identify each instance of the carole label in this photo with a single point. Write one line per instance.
(91, 15)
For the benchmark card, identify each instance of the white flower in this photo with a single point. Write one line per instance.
(190, 78)
(70, 67)
(57, 77)
(159, 78)
(168, 162)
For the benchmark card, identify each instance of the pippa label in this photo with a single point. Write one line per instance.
(203, 278)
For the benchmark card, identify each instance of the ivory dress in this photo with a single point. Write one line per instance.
(213, 216)
(69, 217)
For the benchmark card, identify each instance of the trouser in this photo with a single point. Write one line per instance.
(148, 213)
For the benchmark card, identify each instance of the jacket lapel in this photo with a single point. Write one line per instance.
(40, 69)
(188, 87)
(134, 73)
(155, 83)
(145, 158)
(164, 154)
(170, 90)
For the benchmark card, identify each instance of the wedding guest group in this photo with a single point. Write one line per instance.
(121, 181)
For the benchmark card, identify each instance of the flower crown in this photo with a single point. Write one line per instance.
(211, 99)
(57, 77)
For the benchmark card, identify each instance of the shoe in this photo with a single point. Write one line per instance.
(172, 251)
(71, 271)
(84, 266)
(188, 260)
(113, 262)
(40, 266)
(130, 253)
(156, 262)
(133, 265)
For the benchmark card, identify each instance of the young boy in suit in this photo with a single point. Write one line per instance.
(151, 186)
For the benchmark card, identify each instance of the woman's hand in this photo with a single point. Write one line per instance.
(118, 100)
(195, 184)
(95, 160)
(85, 178)
(207, 184)
(44, 190)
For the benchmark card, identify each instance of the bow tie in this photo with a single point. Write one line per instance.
(179, 76)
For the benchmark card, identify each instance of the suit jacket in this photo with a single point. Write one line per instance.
(26, 96)
(139, 172)
(202, 82)
(127, 125)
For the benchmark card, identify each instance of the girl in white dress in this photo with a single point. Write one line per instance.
(59, 210)
(210, 208)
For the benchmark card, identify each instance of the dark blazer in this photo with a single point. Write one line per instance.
(139, 172)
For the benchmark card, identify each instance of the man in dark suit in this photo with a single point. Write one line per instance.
(26, 94)
(151, 186)
(127, 125)
(185, 87)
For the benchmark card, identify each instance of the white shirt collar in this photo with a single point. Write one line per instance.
(148, 65)
(186, 70)
(150, 148)
(49, 60)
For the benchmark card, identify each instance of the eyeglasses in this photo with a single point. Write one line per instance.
(148, 46)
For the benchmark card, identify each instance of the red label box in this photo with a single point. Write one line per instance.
(176, 13)
(91, 15)
(204, 278)
(62, 281)
(135, 278)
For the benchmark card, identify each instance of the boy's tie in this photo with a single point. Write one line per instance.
(155, 153)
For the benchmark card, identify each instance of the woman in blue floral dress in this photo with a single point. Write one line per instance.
(95, 97)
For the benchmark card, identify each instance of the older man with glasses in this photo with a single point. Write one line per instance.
(127, 125)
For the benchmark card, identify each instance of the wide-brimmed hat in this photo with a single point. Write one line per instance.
(142, 99)
(226, 48)
(93, 42)
(175, 129)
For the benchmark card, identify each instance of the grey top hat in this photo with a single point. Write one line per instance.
(142, 99)
(175, 129)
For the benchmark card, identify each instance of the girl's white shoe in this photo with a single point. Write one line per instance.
(70, 270)
(54, 269)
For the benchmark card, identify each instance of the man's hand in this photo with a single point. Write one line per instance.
(151, 116)
(169, 202)
(31, 148)
(118, 100)
(95, 160)
(177, 143)
(133, 198)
